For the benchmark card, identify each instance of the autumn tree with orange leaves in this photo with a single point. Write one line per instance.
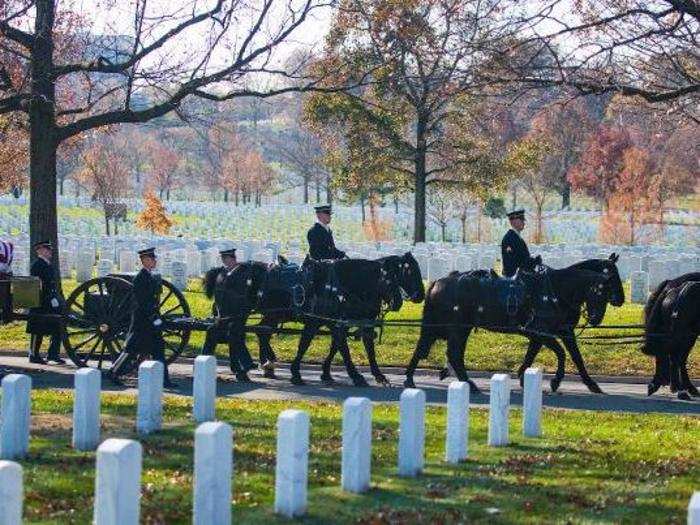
(154, 217)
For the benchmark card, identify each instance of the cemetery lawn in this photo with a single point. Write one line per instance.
(590, 467)
(486, 351)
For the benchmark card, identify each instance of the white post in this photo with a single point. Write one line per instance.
(11, 493)
(204, 388)
(694, 509)
(213, 468)
(457, 437)
(291, 472)
(532, 403)
(411, 432)
(118, 483)
(150, 399)
(498, 410)
(357, 444)
(16, 410)
(86, 409)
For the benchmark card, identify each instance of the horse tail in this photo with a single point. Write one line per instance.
(209, 282)
(652, 320)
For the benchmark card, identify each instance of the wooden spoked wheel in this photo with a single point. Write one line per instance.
(97, 321)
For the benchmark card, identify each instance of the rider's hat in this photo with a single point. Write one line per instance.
(43, 244)
(324, 208)
(516, 214)
(147, 252)
(230, 252)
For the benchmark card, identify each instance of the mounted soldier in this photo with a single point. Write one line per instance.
(514, 251)
(241, 361)
(320, 236)
(146, 325)
(38, 325)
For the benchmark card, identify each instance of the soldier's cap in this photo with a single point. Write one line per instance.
(147, 252)
(325, 208)
(43, 244)
(231, 252)
(516, 214)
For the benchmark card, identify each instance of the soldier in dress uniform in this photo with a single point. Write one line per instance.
(7, 251)
(514, 251)
(51, 301)
(241, 361)
(320, 236)
(146, 325)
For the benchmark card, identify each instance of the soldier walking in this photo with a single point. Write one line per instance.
(39, 325)
(146, 324)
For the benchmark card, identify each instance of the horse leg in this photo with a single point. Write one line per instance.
(555, 347)
(662, 372)
(533, 348)
(326, 375)
(575, 353)
(456, 346)
(689, 386)
(340, 340)
(677, 383)
(307, 335)
(267, 354)
(368, 340)
(425, 343)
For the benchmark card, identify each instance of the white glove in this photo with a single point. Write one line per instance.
(157, 322)
(54, 302)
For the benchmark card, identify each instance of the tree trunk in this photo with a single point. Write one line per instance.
(107, 225)
(420, 177)
(478, 222)
(329, 190)
(167, 194)
(226, 196)
(566, 196)
(60, 185)
(396, 205)
(463, 220)
(306, 189)
(442, 231)
(513, 197)
(318, 192)
(362, 207)
(43, 223)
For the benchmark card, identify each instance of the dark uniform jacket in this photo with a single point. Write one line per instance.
(515, 254)
(321, 244)
(147, 290)
(49, 291)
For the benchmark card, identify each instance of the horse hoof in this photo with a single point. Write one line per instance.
(242, 377)
(554, 384)
(444, 374)
(328, 379)
(684, 396)
(408, 383)
(297, 380)
(652, 388)
(473, 389)
(693, 391)
(359, 380)
(269, 374)
(593, 387)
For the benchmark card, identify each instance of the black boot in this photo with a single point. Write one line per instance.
(167, 382)
(54, 355)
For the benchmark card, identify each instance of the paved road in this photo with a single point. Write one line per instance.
(622, 394)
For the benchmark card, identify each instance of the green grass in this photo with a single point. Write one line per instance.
(485, 350)
(632, 468)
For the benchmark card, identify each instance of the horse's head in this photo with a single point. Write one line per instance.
(406, 271)
(241, 286)
(608, 268)
(597, 297)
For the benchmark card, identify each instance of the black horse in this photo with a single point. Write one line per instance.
(352, 292)
(671, 326)
(543, 307)
(316, 294)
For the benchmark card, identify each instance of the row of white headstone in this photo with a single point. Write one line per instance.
(119, 461)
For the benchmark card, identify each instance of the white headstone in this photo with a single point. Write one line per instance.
(150, 399)
(411, 432)
(457, 437)
(11, 493)
(16, 410)
(179, 273)
(532, 403)
(499, 406)
(86, 409)
(291, 472)
(357, 444)
(694, 509)
(104, 267)
(213, 469)
(83, 268)
(118, 483)
(639, 287)
(204, 388)
(127, 261)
